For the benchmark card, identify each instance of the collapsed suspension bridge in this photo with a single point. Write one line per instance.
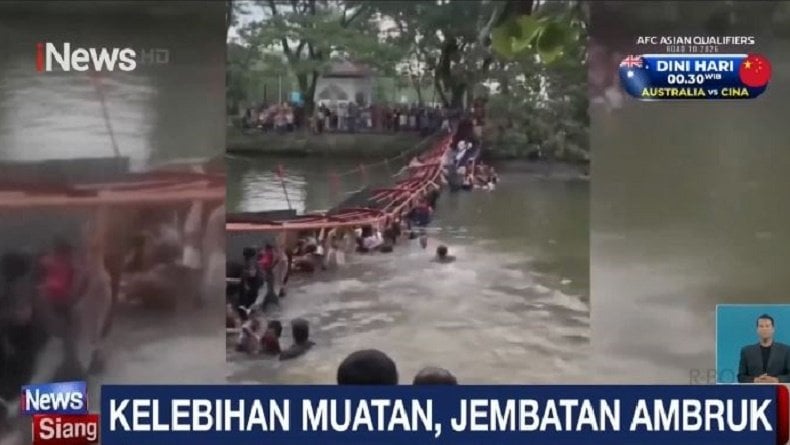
(366, 207)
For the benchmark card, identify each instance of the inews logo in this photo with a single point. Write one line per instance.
(51, 57)
(60, 413)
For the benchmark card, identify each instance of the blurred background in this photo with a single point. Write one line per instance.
(689, 204)
(72, 126)
(160, 111)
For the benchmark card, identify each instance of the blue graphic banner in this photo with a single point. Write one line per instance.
(691, 76)
(451, 415)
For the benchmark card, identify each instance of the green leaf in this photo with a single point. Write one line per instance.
(529, 29)
(502, 42)
(551, 41)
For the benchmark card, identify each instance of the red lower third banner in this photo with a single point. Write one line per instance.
(57, 429)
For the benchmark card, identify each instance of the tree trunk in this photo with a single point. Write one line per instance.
(311, 93)
(437, 87)
(418, 88)
(457, 91)
(307, 88)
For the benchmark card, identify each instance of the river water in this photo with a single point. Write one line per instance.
(158, 113)
(689, 209)
(513, 308)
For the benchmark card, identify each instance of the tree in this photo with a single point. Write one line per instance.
(541, 70)
(446, 38)
(237, 70)
(311, 34)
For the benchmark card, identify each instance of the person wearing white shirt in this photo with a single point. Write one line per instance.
(374, 241)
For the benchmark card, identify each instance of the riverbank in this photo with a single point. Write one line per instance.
(376, 146)
(302, 144)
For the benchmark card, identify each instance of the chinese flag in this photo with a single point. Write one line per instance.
(755, 71)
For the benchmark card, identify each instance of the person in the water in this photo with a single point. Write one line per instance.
(421, 214)
(270, 342)
(392, 232)
(435, 376)
(367, 367)
(442, 255)
(423, 239)
(300, 330)
(369, 240)
(249, 340)
(232, 318)
(469, 180)
(251, 282)
(270, 260)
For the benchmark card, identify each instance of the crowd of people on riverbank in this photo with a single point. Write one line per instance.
(348, 117)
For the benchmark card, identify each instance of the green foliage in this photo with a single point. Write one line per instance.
(440, 50)
(310, 35)
(550, 32)
(544, 108)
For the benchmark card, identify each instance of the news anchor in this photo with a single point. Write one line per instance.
(767, 361)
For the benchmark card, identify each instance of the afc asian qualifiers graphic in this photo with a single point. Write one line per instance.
(691, 76)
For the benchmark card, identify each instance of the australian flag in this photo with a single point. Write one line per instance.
(634, 75)
(632, 62)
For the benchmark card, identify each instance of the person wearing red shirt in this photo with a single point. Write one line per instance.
(266, 260)
(58, 278)
(271, 339)
(267, 263)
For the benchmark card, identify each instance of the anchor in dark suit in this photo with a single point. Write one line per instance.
(767, 361)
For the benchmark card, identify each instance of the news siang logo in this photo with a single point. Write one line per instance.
(50, 57)
(54, 398)
(60, 413)
(56, 429)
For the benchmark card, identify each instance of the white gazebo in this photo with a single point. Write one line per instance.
(345, 82)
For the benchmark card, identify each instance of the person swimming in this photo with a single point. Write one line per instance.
(392, 232)
(369, 240)
(270, 342)
(421, 214)
(249, 339)
(468, 182)
(423, 239)
(367, 367)
(300, 330)
(442, 255)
